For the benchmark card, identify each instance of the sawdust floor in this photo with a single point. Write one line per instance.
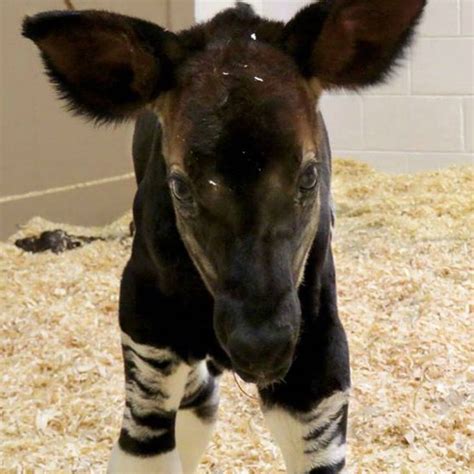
(404, 256)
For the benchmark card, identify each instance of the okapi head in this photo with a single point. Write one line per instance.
(243, 143)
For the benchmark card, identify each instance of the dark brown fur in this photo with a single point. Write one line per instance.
(232, 255)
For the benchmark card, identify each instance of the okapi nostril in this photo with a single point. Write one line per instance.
(243, 364)
(255, 353)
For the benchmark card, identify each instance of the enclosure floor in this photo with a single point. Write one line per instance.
(403, 256)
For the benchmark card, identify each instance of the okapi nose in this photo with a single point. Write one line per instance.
(261, 353)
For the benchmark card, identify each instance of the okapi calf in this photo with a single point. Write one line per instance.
(231, 266)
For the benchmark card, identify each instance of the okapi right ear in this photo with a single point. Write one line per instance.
(107, 66)
(351, 43)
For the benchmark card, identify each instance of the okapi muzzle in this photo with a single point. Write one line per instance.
(257, 313)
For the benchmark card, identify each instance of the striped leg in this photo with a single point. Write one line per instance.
(155, 380)
(315, 441)
(197, 415)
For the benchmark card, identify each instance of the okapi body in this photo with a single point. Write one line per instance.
(231, 265)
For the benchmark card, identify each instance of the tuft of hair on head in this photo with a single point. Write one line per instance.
(245, 7)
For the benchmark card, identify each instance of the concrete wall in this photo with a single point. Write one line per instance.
(422, 118)
(42, 147)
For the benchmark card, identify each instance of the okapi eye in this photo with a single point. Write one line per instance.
(181, 190)
(309, 178)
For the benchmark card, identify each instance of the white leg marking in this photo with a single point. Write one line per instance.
(329, 456)
(156, 380)
(168, 385)
(124, 463)
(310, 441)
(198, 375)
(325, 436)
(192, 432)
(192, 438)
(325, 410)
(148, 352)
(137, 431)
(288, 433)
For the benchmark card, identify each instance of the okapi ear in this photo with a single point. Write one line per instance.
(351, 43)
(107, 66)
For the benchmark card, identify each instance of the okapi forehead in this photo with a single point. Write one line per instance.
(243, 107)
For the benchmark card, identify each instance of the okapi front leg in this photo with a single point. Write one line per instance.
(197, 414)
(313, 441)
(155, 380)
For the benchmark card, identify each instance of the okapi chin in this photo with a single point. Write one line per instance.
(231, 265)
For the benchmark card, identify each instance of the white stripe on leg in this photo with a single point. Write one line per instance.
(124, 463)
(196, 417)
(288, 434)
(192, 438)
(311, 440)
(155, 384)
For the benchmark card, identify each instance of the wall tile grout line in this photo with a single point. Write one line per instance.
(337, 152)
(459, 27)
(362, 117)
(404, 96)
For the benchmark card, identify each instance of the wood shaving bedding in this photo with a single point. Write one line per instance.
(403, 252)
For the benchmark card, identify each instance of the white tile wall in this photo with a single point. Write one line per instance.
(346, 129)
(413, 124)
(468, 124)
(467, 17)
(442, 66)
(441, 18)
(422, 118)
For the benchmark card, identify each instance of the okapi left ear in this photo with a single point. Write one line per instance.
(107, 66)
(351, 43)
